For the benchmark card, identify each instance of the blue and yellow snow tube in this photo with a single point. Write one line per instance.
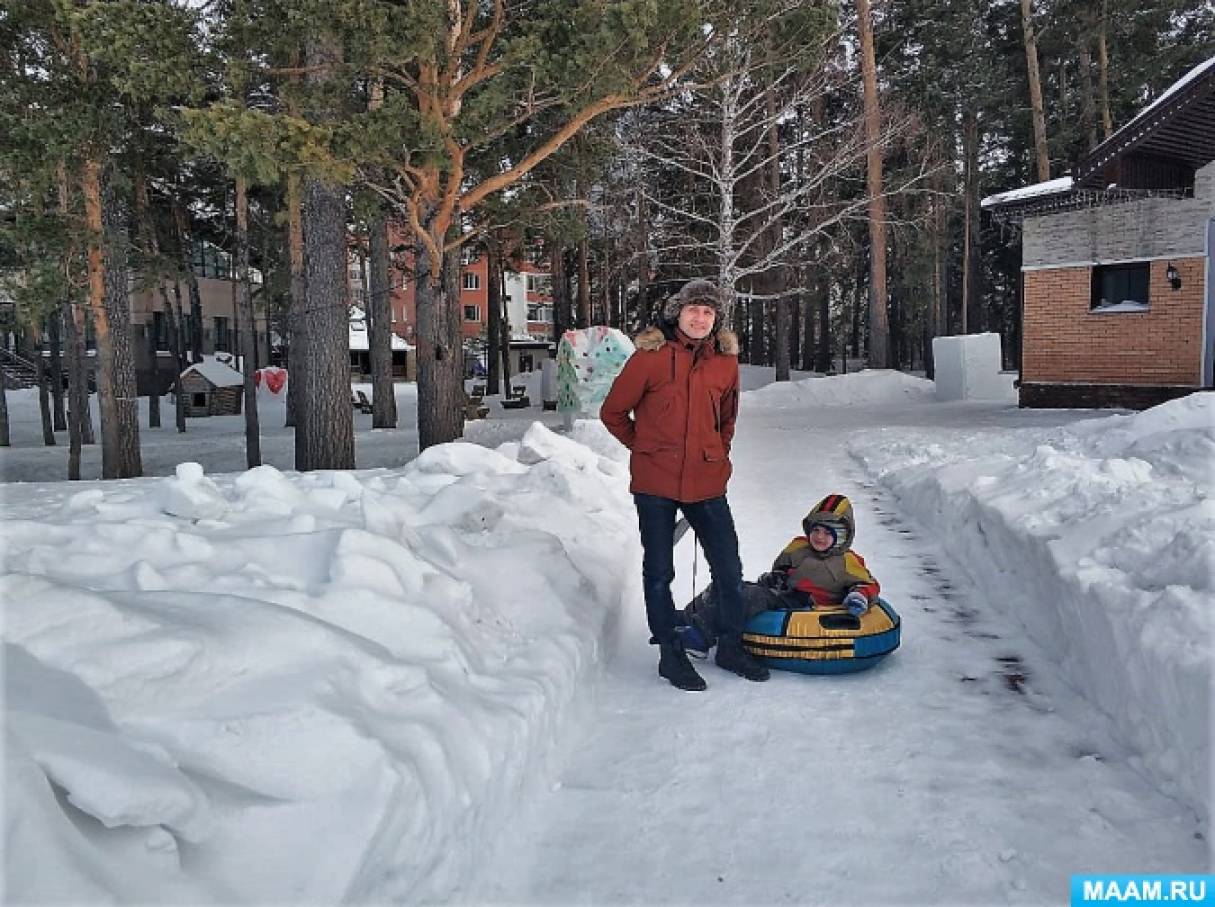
(823, 641)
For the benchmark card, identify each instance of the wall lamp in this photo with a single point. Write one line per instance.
(1174, 276)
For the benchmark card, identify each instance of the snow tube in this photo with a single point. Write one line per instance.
(823, 641)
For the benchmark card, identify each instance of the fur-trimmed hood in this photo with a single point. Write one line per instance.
(653, 338)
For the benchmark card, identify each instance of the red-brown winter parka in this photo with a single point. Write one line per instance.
(674, 405)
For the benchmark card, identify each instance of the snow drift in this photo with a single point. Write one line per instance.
(1099, 538)
(287, 688)
(880, 386)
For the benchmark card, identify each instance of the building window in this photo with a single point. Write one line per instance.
(160, 330)
(539, 283)
(209, 261)
(472, 281)
(223, 337)
(468, 254)
(472, 313)
(1120, 288)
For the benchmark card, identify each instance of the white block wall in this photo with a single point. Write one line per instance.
(968, 367)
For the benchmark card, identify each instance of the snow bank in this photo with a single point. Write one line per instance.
(864, 387)
(284, 688)
(1099, 538)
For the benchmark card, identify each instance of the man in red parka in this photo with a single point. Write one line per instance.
(673, 406)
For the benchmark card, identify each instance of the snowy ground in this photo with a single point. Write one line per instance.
(429, 682)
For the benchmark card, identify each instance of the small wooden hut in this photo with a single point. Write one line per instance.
(212, 388)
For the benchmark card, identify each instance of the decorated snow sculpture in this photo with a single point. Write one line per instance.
(271, 382)
(588, 361)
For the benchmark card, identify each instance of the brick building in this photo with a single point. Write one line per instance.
(527, 296)
(154, 366)
(1118, 307)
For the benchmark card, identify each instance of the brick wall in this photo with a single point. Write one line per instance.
(1065, 342)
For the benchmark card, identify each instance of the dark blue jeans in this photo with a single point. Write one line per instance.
(714, 526)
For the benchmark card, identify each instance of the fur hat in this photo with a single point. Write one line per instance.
(695, 292)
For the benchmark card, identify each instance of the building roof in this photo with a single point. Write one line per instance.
(1179, 126)
(217, 373)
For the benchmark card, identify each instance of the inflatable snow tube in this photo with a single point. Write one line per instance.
(823, 641)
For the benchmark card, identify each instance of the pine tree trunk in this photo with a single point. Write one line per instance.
(777, 280)
(153, 382)
(147, 230)
(970, 236)
(44, 397)
(806, 354)
(936, 307)
(4, 433)
(1041, 154)
(125, 436)
(55, 336)
(561, 304)
(177, 348)
(584, 282)
(864, 268)
(755, 335)
(496, 278)
(193, 333)
(79, 420)
(970, 164)
(824, 363)
(91, 188)
(1088, 112)
(295, 362)
(440, 349)
(76, 379)
(643, 265)
(379, 314)
(796, 304)
(324, 438)
(494, 334)
(1103, 65)
(248, 343)
(879, 329)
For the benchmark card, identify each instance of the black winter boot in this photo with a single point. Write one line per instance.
(673, 664)
(733, 657)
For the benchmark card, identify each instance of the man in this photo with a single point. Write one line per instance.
(674, 406)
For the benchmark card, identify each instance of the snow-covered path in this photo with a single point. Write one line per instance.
(960, 771)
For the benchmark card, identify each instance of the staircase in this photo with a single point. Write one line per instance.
(17, 371)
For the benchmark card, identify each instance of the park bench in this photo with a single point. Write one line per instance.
(474, 405)
(517, 399)
(360, 402)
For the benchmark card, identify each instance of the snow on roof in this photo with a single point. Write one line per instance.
(217, 373)
(1050, 187)
(360, 338)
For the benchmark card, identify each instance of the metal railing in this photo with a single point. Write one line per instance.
(18, 371)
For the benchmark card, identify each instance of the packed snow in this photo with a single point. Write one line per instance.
(428, 679)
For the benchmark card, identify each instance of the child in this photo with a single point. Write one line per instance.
(816, 570)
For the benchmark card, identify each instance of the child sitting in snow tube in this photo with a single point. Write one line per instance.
(817, 611)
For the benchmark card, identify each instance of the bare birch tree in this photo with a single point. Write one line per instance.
(717, 144)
